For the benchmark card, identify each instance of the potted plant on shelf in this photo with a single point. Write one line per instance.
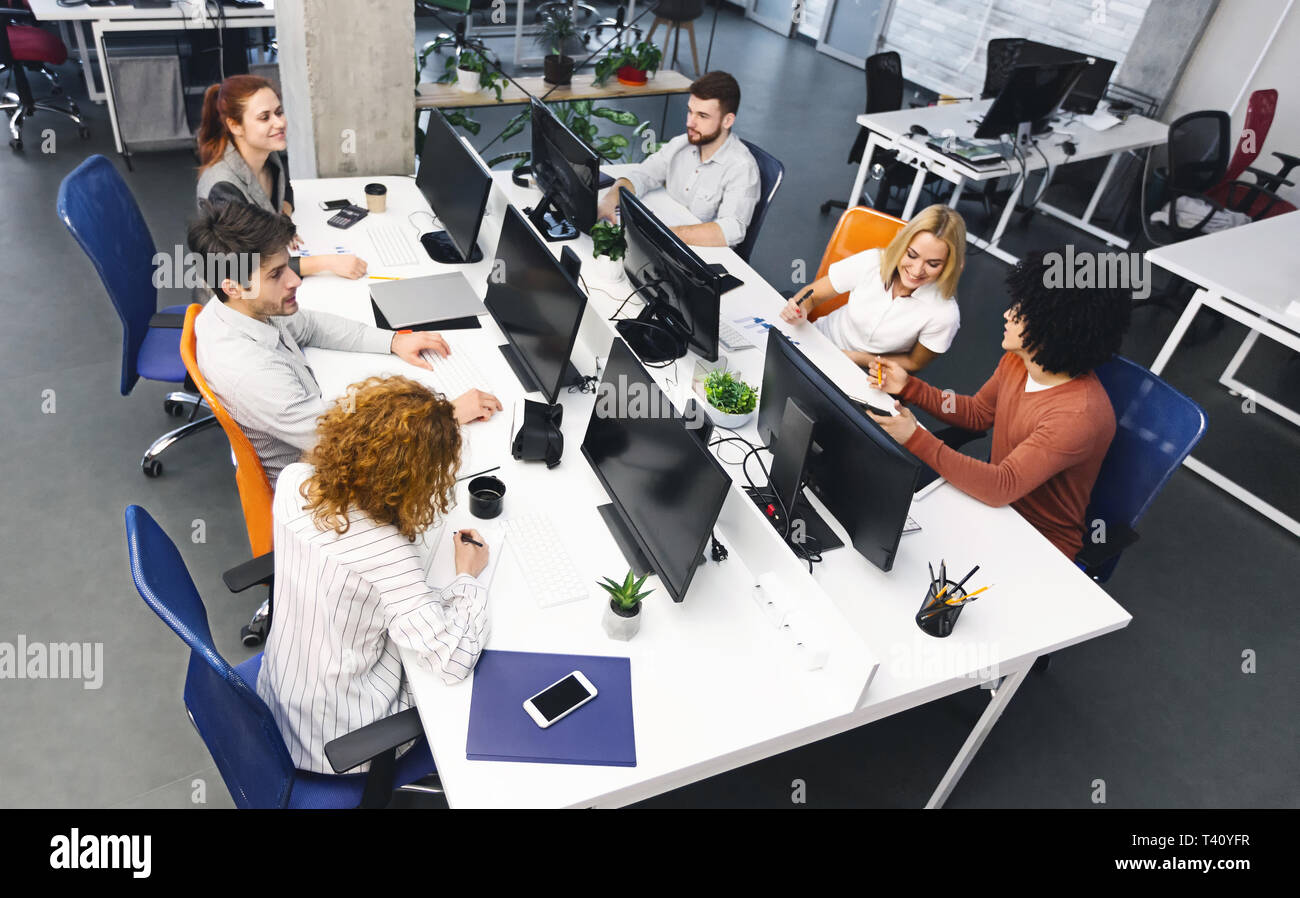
(473, 73)
(623, 616)
(607, 249)
(729, 401)
(557, 30)
(632, 64)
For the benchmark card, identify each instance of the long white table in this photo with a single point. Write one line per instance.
(182, 15)
(714, 686)
(1252, 275)
(891, 130)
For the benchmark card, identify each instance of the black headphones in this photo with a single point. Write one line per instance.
(517, 176)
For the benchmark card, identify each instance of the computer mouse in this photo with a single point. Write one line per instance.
(918, 131)
(1069, 148)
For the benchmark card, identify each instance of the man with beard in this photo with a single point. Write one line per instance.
(706, 169)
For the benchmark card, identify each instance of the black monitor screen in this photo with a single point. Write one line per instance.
(567, 170)
(535, 302)
(1090, 87)
(667, 271)
(455, 182)
(1031, 94)
(859, 472)
(665, 484)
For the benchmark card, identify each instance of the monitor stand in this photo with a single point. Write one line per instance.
(626, 542)
(440, 249)
(550, 221)
(570, 378)
(817, 534)
(785, 486)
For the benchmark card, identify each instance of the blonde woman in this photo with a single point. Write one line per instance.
(902, 299)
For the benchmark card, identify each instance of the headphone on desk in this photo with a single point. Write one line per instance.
(519, 175)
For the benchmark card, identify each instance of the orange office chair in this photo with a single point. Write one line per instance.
(860, 228)
(255, 493)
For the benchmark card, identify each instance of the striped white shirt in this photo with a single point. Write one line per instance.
(344, 605)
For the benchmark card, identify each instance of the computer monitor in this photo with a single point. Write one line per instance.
(456, 184)
(682, 294)
(858, 471)
(538, 305)
(1090, 87)
(567, 173)
(666, 488)
(1030, 96)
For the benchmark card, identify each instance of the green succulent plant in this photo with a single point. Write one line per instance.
(607, 240)
(627, 595)
(642, 55)
(729, 395)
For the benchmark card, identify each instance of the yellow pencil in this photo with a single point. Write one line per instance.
(379, 277)
(969, 595)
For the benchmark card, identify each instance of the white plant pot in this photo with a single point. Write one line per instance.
(722, 419)
(619, 627)
(605, 270)
(466, 81)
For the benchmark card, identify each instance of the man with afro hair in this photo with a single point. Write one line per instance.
(1052, 420)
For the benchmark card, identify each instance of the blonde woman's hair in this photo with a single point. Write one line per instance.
(942, 222)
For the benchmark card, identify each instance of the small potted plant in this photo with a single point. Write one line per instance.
(557, 30)
(607, 249)
(729, 401)
(473, 73)
(631, 64)
(623, 616)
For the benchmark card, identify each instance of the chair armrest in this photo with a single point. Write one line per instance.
(167, 319)
(1252, 194)
(373, 739)
(15, 16)
(1094, 555)
(955, 437)
(261, 570)
(1269, 179)
(1287, 159)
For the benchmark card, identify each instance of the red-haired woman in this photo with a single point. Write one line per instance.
(242, 158)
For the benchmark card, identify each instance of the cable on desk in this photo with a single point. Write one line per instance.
(810, 556)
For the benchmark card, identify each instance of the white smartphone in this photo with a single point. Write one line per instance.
(560, 699)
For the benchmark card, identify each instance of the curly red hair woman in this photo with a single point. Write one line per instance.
(350, 587)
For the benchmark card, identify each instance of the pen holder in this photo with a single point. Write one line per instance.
(935, 617)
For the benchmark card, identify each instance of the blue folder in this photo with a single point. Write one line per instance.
(600, 732)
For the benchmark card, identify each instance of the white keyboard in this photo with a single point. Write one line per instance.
(393, 245)
(732, 339)
(455, 374)
(546, 566)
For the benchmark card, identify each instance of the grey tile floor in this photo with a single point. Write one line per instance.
(1161, 711)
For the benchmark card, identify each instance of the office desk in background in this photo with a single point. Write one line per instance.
(1264, 296)
(714, 686)
(890, 130)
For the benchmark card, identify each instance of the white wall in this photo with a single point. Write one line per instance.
(1224, 57)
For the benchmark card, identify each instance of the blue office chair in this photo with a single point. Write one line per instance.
(236, 725)
(1156, 427)
(97, 207)
(770, 174)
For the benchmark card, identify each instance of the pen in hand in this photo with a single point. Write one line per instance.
(466, 538)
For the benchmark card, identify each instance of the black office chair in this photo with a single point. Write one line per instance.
(884, 74)
(22, 46)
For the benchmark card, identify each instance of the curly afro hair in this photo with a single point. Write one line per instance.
(1067, 330)
(389, 449)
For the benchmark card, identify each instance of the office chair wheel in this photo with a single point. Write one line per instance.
(15, 144)
(152, 467)
(175, 409)
(83, 132)
(251, 638)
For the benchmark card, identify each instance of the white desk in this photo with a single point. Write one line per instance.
(1264, 296)
(183, 15)
(891, 129)
(713, 688)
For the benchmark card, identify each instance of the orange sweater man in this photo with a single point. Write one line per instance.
(1052, 420)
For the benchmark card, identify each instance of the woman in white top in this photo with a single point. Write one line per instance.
(902, 299)
(350, 586)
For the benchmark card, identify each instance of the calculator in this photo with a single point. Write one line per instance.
(347, 217)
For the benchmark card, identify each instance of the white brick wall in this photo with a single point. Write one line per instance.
(942, 42)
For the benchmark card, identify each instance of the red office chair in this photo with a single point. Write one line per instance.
(24, 47)
(1244, 196)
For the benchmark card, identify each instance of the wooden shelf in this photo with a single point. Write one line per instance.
(449, 96)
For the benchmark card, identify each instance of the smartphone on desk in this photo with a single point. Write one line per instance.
(334, 205)
(560, 699)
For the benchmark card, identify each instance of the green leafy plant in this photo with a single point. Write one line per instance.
(473, 61)
(607, 240)
(557, 29)
(642, 55)
(625, 596)
(729, 395)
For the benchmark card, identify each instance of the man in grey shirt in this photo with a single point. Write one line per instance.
(250, 336)
(707, 169)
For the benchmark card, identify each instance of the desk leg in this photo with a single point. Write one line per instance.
(998, 702)
(1101, 187)
(860, 180)
(519, 32)
(1084, 224)
(1180, 328)
(83, 53)
(956, 192)
(915, 193)
(98, 34)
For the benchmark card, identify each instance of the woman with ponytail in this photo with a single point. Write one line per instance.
(242, 159)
